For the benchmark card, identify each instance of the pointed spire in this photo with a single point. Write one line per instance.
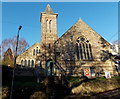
(48, 10)
(79, 18)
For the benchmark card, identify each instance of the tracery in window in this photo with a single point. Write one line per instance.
(83, 49)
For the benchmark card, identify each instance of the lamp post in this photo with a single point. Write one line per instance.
(20, 27)
(15, 56)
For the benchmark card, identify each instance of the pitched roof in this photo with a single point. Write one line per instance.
(80, 23)
(30, 48)
(48, 10)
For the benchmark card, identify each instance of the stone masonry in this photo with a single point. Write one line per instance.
(77, 49)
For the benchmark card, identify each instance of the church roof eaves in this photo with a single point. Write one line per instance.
(29, 48)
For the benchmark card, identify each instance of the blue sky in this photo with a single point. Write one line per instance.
(100, 16)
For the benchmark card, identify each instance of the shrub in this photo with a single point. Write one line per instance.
(38, 95)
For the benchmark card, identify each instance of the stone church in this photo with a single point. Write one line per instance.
(80, 48)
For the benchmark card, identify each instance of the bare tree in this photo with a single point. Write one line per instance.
(11, 43)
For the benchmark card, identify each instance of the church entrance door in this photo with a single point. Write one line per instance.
(49, 68)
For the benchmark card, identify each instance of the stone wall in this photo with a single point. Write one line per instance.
(66, 54)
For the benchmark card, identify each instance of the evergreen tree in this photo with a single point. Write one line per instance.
(8, 59)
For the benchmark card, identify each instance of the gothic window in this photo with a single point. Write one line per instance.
(22, 63)
(34, 52)
(25, 63)
(83, 49)
(32, 63)
(29, 63)
(50, 25)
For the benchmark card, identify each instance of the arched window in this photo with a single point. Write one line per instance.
(34, 52)
(29, 63)
(87, 50)
(83, 49)
(25, 63)
(49, 46)
(47, 25)
(32, 63)
(50, 25)
(90, 51)
(39, 51)
(77, 50)
(22, 63)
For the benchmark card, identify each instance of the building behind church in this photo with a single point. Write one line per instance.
(79, 48)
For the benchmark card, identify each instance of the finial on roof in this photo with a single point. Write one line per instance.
(48, 5)
(48, 9)
(80, 18)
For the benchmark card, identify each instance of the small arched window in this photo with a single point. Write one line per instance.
(22, 63)
(29, 63)
(39, 51)
(87, 50)
(90, 51)
(25, 63)
(77, 50)
(49, 46)
(34, 52)
(47, 25)
(32, 63)
(50, 25)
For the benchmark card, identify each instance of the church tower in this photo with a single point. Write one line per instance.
(48, 26)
